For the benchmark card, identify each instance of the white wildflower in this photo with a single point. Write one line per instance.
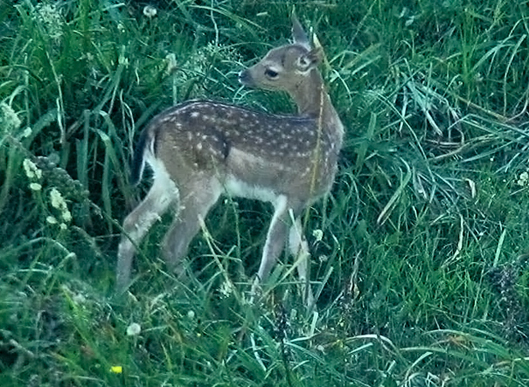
(27, 132)
(150, 11)
(226, 289)
(51, 19)
(523, 179)
(57, 201)
(66, 215)
(318, 234)
(51, 220)
(191, 315)
(32, 171)
(133, 329)
(63, 227)
(35, 187)
(9, 120)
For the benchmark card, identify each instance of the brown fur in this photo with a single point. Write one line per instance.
(199, 150)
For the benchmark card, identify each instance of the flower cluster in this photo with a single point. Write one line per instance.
(33, 173)
(226, 289)
(58, 202)
(198, 63)
(49, 16)
(523, 180)
(9, 120)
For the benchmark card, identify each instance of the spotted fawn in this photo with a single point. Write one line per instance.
(199, 150)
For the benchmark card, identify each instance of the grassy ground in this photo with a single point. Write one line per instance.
(418, 255)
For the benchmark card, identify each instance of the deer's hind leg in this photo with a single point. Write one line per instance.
(162, 194)
(197, 196)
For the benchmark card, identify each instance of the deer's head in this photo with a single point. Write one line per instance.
(287, 67)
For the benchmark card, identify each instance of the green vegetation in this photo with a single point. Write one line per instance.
(418, 254)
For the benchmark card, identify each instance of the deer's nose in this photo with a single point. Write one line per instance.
(245, 78)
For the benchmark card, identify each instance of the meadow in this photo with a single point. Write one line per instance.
(419, 254)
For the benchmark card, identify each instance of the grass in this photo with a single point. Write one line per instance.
(419, 253)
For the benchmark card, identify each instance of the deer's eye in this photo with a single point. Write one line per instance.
(271, 73)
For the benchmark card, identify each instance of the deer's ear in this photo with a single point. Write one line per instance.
(310, 60)
(298, 33)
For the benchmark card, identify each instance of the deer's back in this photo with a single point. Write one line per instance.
(252, 147)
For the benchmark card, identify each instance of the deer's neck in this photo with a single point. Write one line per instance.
(312, 100)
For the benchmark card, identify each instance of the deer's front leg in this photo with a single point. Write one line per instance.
(276, 238)
(299, 249)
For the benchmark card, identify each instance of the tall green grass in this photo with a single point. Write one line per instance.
(419, 254)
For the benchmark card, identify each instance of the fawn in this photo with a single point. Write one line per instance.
(199, 150)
